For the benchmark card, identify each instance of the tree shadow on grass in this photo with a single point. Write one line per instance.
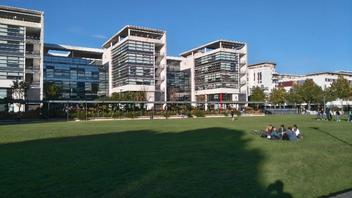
(334, 137)
(212, 162)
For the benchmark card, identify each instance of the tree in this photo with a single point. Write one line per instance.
(310, 92)
(340, 89)
(51, 91)
(293, 95)
(257, 95)
(277, 96)
(19, 91)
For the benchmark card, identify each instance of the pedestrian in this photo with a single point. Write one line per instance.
(232, 114)
(350, 116)
(328, 114)
(337, 114)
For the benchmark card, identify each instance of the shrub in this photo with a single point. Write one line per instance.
(166, 114)
(189, 114)
(199, 113)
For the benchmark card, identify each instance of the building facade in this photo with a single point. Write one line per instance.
(137, 62)
(178, 81)
(322, 79)
(262, 75)
(76, 72)
(218, 71)
(21, 50)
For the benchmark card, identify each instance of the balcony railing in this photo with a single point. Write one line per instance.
(33, 53)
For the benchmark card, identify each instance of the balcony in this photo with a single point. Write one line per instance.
(33, 39)
(243, 82)
(33, 54)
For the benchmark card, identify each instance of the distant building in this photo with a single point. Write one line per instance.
(77, 72)
(134, 59)
(262, 75)
(218, 71)
(322, 79)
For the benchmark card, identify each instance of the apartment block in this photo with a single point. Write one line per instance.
(218, 71)
(21, 50)
(137, 61)
(322, 79)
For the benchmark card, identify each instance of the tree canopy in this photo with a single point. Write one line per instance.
(340, 89)
(278, 96)
(257, 95)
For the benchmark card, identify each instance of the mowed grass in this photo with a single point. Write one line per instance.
(205, 157)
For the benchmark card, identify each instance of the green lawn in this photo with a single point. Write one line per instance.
(174, 158)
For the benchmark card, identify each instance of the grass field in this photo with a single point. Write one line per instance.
(209, 157)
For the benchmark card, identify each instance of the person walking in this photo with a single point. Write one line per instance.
(350, 116)
(337, 115)
(232, 114)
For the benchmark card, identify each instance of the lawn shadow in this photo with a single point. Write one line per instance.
(276, 189)
(334, 137)
(210, 162)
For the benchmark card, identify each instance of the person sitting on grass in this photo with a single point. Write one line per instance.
(297, 132)
(275, 134)
(268, 131)
(291, 135)
(282, 129)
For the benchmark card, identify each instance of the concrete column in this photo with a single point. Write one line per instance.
(206, 104)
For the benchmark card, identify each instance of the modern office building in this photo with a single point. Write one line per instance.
(218, 71)
(77, 72)
(262, 75)
(137, 61)
(178, 81)
(21, 50)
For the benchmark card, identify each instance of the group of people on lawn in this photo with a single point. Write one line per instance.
(272, 133)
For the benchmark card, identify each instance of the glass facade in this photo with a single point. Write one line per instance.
(133, 64)
(11, 52)
(178, 82)
(217, 70)
(76, 78)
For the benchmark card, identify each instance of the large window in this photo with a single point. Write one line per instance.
(133, 63)
(77, 78)
(218, 70)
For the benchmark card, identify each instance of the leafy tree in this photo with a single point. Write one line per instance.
(257, 95)
(310, 92)
(293, 96)
(340, 88)
(277, 96)
(51, 91)
(19, 92)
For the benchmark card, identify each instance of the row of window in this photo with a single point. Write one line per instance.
(74, 61)
(217, 56)
(133, 63)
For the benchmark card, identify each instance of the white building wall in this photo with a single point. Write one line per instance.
(267, 71)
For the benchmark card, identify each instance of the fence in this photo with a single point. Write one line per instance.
(84, 110)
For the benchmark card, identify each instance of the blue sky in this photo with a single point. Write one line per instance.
(301, 36)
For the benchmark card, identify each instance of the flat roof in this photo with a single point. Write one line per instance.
(157, 31)
(52, 46)
(21, 10)
(212, 44)
(262, 63)
(330, 73)
(174, 58)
